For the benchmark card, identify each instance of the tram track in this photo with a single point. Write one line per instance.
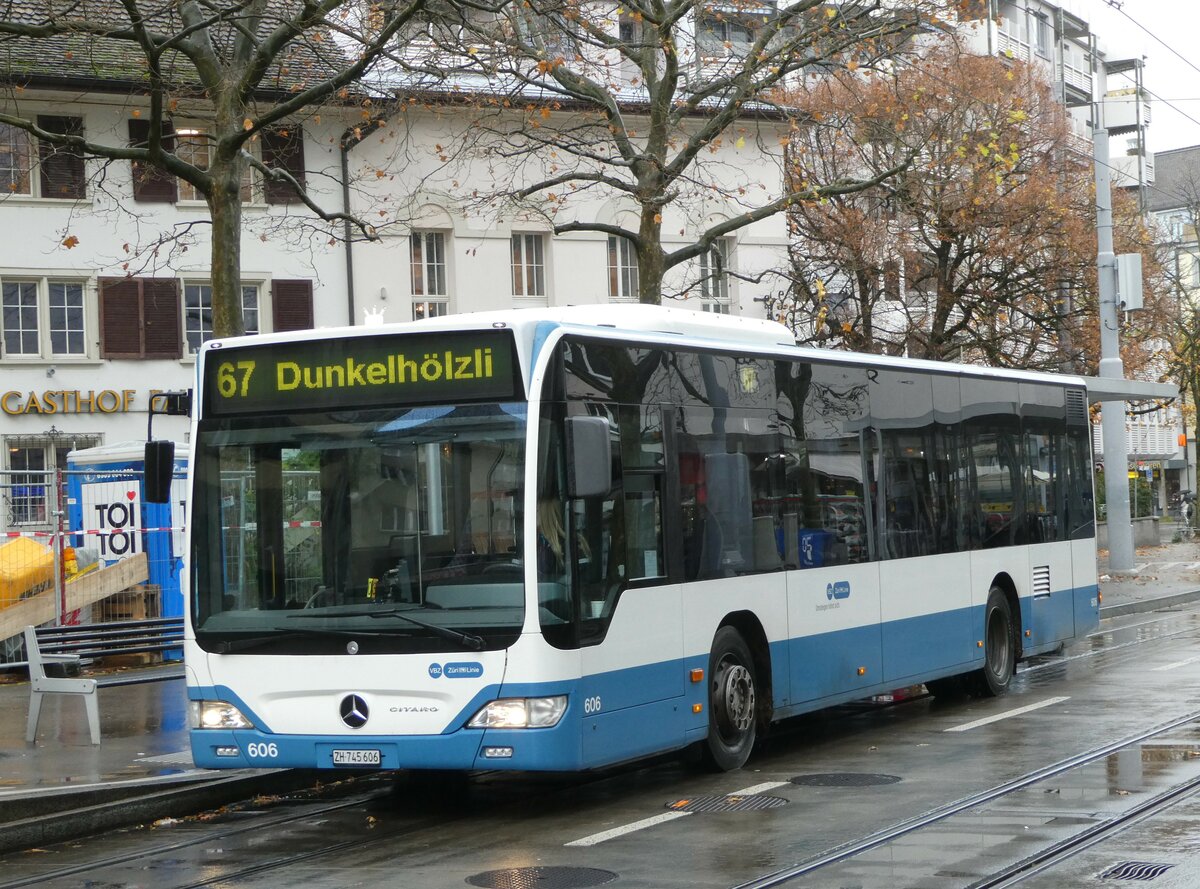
(162, 849)
(1027, 867)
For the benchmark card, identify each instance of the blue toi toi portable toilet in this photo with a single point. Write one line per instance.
(109, 515)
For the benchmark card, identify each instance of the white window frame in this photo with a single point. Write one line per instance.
(1189, 272)
(528, 265)
(429, 273)
(44, 333)
(1042, 37)
(622, 269)
(192, 146)
(714, 285)
(201, 324)
(29, 170)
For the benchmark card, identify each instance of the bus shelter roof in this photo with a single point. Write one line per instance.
(1112, 389)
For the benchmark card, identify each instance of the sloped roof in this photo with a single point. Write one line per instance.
(113, 64)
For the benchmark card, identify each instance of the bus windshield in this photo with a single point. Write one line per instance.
(398, 527)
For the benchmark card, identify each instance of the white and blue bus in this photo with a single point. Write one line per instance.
(561, 539)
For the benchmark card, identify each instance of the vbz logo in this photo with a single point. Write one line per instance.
(839, 590)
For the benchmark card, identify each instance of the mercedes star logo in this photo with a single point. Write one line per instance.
(354, 711)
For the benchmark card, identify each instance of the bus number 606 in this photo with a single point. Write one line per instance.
(591, 705)
(262, 751)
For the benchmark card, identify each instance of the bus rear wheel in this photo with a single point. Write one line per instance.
(999, 648)
(732, 702)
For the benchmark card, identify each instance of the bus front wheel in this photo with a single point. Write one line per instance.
(732, 701)
(999, 648)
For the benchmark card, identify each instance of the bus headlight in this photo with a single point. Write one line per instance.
(521, 713)
(216, 714)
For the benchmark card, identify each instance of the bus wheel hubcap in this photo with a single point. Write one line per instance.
(736, 699)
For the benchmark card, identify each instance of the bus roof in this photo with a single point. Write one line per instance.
(666, 325)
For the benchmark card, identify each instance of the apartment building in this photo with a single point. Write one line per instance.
(105, 289)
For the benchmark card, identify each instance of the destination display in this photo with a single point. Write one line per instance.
(358, 372)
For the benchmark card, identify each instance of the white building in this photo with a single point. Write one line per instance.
(93, 323)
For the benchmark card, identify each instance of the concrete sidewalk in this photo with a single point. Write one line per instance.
(64, 786)
(1162, 576)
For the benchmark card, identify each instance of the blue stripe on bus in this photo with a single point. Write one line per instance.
(823, 670)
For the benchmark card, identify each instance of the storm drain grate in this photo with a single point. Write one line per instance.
(727, 803)
(844, 779)
(542, 878)
(1135, 870)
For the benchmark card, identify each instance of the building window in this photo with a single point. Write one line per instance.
(43, 318)
(60, 169)
(724, 35)
(16, 160)
(1189, 269)
(528, 265)
(1043, 35)
(197, 313)
(66, 319)
(430, 308)
(714, 277)
(622, 269)
(20, 318)
(192, 146)
(428, 259)
(28, 486)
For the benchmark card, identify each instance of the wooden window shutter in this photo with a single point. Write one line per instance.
(291, 305)
(140, 318)
(283, 148)
(163, 318)
(120, 318)
(61, 166)
(150, 184)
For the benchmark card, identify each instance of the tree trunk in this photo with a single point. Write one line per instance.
(225, 206)
(651, 258)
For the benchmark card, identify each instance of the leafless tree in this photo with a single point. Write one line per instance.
(255, 67)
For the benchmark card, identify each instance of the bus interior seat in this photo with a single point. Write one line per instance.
(766, 549)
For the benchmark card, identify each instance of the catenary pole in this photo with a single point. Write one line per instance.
(1112, 413)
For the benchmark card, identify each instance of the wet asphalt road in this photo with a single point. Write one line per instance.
(891, 764)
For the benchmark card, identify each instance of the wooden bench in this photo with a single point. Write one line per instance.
(68, 647)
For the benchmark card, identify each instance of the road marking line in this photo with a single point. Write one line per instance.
(759, 788)
(967, 726)
(628, 828)
(1164, 565)
(1175, 665)
(601, 837)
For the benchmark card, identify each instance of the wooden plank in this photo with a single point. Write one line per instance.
(96, 585)
(90, 588)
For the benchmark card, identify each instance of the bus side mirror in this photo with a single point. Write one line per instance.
(589, 457)
(160, 468)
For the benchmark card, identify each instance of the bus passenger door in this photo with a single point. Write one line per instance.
(631, 627)
(924, 572)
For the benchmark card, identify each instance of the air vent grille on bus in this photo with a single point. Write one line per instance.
(1041, 580)
(1077, 411)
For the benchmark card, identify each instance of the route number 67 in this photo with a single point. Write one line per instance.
(234, 379)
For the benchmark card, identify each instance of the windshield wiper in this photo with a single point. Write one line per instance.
(468, 640)
(247, 643)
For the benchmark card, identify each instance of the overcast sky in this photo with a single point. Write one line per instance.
(1167, 34)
